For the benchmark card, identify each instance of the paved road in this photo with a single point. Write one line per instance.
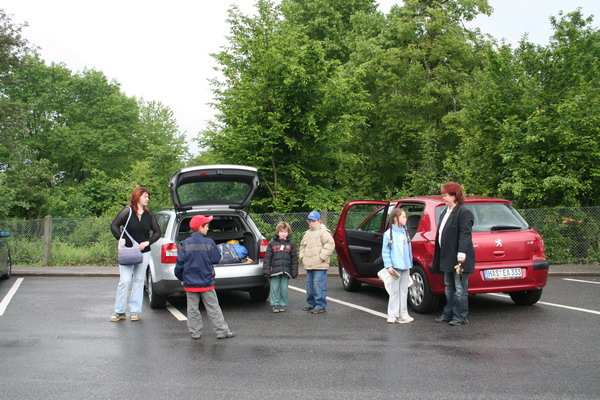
(56, 343)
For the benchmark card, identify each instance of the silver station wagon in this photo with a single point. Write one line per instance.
(222, 191)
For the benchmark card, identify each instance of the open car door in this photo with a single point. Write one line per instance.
(359, 236)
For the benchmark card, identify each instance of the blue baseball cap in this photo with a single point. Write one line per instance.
(314, 216)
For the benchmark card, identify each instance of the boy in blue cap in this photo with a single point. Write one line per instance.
(315, 250)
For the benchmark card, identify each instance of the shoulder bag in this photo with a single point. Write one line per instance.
(129, 255)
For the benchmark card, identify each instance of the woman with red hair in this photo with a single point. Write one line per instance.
(454, 254)
(138, 221)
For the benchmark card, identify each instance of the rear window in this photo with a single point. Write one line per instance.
(218, 192)
(488, 217)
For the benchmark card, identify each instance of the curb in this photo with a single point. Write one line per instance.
(80, 271)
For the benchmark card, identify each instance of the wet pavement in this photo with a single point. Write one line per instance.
(56, 343)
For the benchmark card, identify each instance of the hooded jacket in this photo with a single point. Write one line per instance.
(316, 247)
(281, 258)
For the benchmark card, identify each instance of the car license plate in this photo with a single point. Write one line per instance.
(503, 273)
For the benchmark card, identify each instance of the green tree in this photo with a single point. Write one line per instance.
(412, 74)
(530, 127)
(281, 110)
(79, 122)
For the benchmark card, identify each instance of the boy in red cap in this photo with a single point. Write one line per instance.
(194, 268)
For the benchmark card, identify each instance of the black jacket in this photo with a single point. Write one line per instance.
(281, 258)
(456, 238)
(139, 229)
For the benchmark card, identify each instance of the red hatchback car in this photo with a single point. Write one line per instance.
(509, 254)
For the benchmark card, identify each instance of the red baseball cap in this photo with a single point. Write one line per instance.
(199, 220)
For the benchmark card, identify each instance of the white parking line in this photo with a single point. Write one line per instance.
(580, 280)
(9, 296)
(344, 303)
(553, 304)
(176, 313)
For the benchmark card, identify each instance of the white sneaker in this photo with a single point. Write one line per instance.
(391, 320)
(405, 320)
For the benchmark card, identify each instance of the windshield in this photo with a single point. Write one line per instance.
(489, 217)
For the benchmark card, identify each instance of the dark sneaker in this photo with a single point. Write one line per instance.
(275, 308)
(134, 316)
(456, 322)
(441, 318)
(307, 308)
(115, 317)
(317, 310)
(282, 309)
(226, 335)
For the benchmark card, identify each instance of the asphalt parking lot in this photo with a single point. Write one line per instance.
(56, 343)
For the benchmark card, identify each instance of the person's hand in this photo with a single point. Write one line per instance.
(143, 245)
(121, 242)
(391, 271)
(460, 259)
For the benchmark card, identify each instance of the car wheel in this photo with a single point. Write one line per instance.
(155, 300)
(259, 294)
(349, 283)
(421, 299)
(8, 268)
(526, 297)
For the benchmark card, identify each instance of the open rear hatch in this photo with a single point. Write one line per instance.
(213, 185)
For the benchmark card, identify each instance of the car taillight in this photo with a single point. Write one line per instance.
(168, 253)
(263, 248)
(538, 247)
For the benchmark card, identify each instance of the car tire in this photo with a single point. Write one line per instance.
(349, 283)
(259, 294)
(8, 268)
(155, 300)
(526, 297)
(420, 297)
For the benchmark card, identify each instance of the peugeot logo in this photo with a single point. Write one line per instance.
(498, 242)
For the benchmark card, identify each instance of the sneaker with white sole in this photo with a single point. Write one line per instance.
(391, 320)
(405, 320)
(227, 335)
(115, 317)
(134, 316)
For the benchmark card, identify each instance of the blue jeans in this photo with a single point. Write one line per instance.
(279, 290)
(457, 302)
(132, 275)
(316, 288)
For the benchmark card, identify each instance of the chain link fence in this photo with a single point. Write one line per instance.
(571, 236)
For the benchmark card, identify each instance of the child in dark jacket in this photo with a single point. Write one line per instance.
(280, 264)
(194, 268)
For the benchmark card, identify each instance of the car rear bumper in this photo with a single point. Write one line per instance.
(227, 277)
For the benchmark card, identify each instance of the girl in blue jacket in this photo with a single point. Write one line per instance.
(397, 259)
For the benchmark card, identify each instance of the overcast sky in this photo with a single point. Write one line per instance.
(160, 50)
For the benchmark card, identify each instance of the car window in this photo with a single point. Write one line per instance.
(365, 217)
(217, 192)
(163, 221)
(414, 211)
(496, 217)
(226, 224)
(489, 217)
